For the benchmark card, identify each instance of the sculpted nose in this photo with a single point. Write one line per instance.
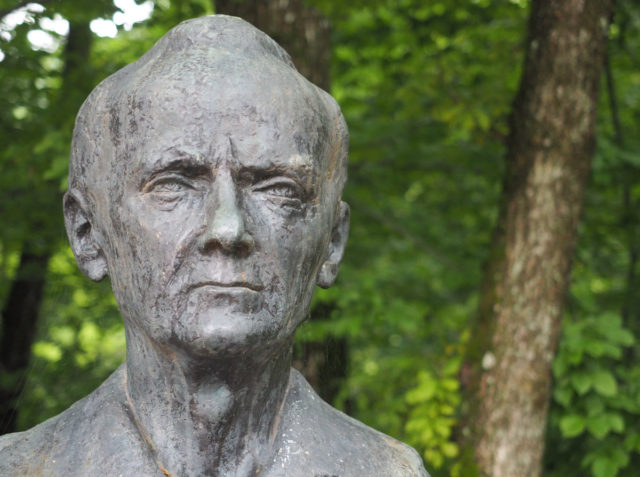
(224, 221)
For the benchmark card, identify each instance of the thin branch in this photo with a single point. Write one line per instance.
(613, 103)
(628, 207)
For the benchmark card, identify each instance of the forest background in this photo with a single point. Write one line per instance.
(427, 89)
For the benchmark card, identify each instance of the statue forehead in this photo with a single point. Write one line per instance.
(237, 87)
(213, 88)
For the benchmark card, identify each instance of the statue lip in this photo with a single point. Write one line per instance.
(239, 284)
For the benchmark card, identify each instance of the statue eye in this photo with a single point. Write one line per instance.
(283, 191)
(285, 188)
(168, 189)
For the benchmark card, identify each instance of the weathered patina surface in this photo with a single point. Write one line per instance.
(205, 181)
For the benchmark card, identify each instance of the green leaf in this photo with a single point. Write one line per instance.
(604, 467)
(450, 384)
(621, 336)
(581, 382)
(424, 391)
(605, 383)
(616, 421)
(450, 449)
(562, 395)
(620, 457)
(595, 404)
(599, 426)
(572, 425)
(48, 351)
(560, 365)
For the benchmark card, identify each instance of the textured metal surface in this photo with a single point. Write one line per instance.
(205, 181)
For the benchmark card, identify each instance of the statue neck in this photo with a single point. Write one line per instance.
(214, 416)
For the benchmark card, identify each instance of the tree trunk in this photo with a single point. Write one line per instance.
(20, 312)
(549, 150)
(301, 30)
(19, 318)
(304, 33)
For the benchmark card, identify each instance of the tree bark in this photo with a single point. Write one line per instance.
(19, 318)
(300, 29)
(549, 150)
(304, 33)
(21, 308)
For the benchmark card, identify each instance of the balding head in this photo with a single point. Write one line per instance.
(227, 62)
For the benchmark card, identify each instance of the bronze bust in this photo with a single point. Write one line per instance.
(205, 180)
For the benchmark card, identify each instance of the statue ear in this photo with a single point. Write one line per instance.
(329, 269)
(88, 252)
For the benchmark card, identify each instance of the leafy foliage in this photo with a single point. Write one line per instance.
(597, 396)
(426, 89)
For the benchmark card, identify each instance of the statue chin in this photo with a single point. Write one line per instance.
(220, 333)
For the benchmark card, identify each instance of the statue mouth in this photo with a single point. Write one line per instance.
(228, 286)
(243, 297)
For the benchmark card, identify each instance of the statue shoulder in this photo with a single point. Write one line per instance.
(320, 440)
(26, 453)
(378, 454)
(73, 442)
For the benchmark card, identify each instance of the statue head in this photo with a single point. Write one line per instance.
(205, 180)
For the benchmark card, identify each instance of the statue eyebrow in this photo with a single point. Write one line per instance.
(296, 167)
(181, 162)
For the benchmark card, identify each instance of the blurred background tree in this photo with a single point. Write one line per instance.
(549, 152)
(426, 88)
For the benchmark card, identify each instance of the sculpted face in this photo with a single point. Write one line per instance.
(205, 180)
(220, 214)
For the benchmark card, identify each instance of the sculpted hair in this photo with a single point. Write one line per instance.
(99, 131)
